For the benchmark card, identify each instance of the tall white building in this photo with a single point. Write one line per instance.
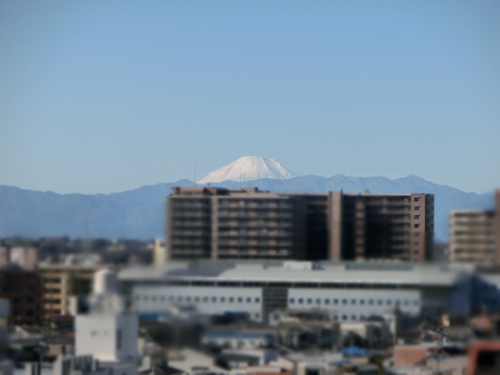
(108, 332)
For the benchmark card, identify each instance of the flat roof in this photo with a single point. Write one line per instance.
(343, 273)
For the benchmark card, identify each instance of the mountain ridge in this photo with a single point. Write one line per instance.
(140, 213)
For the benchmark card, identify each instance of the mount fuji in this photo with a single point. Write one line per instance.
(249, 168)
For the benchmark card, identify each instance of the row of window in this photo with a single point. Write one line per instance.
(345, 301)
(200, 299)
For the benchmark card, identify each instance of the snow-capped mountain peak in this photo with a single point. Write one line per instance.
(249, 168)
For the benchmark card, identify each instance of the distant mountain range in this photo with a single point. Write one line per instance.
(140, 213)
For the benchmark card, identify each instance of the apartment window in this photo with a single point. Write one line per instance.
(416, 199)
(240, 299)
(257, 316)
(257, 300)
(353, 317)
(344, 317)
(361, 301)
(309, 301)
(370, 302)
(380, 302)
(416, 234)
(353, 302)
(416, 225)
(188, 299)
(416, 216)
(416, 208)
(214, 299)
(344, 301)
(335, 301)
(205, 299)
(327, 301)
(196, 299)
(223, 299)
(292, 300)
(249, 300)
(179, 298)
(415, 243)
(300, 301)
(389, 302)
(318, 301)
(361, 317)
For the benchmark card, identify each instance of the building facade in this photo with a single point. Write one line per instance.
(24, 290)
(380, 226)
(350, 291)
(246, 223)
(472, 237)
(218, 223)
(475, 235)
(62, 283)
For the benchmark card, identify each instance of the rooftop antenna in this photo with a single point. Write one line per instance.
(86, 244)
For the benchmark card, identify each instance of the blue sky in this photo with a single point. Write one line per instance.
(101, 96)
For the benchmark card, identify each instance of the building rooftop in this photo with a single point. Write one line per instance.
(374, 273)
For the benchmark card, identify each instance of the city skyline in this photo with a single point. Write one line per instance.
(108, 97)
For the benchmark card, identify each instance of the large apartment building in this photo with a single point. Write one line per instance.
(218, 223)
(380, 226)
(205, 222)
(475, 235)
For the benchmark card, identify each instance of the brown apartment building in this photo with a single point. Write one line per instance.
(209, 222)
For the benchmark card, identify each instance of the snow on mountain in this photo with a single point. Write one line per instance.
(249, 168)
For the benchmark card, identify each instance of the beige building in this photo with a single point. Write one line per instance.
(218, 223)
(475, 235)
(62, 283)
(472, 237)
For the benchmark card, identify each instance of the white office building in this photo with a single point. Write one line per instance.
(349, 291)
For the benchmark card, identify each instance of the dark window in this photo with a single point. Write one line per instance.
(223, 299)
(257, 300)
(292, 300)
(344, 301)
(318, 301)
(416, 216)
(300, 300)
(309, 301)
(240, 299)
(327, 301)
(335, 301)
(353, 302)
(416, 225)
(214, 299)
(362, 302)
(416, 199)
(416, 208)
(249, 300)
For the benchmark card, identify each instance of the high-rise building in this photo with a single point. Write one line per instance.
(475, 235)
(380, 226)
(472, 237)
(207, 222)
